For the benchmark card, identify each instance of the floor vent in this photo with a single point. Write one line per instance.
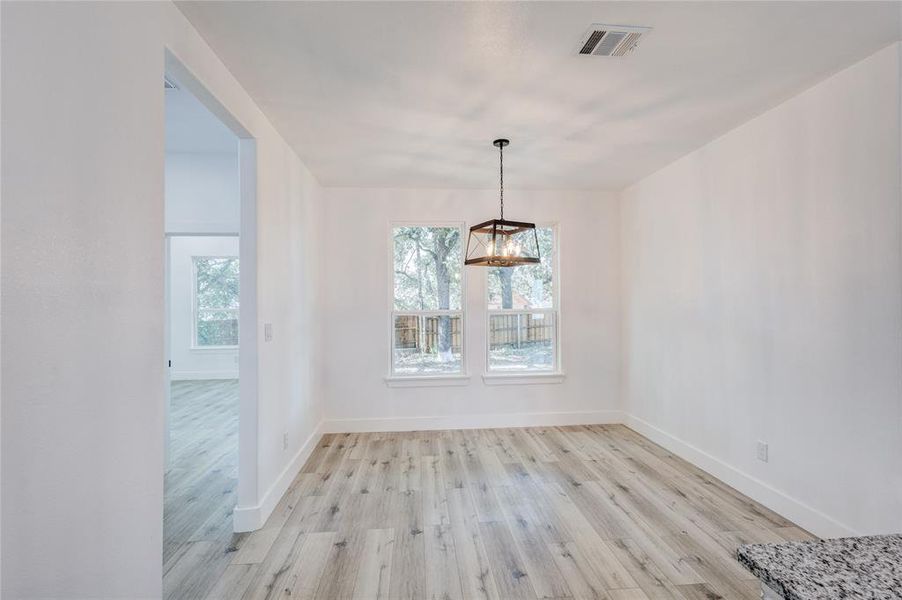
(612, 40)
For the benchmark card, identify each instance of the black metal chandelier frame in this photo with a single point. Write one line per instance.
(499, 242)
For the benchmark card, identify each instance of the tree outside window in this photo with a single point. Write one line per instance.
(427, 316)
(522, 324)
(216, 294)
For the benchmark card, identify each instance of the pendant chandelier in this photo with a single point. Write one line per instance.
(500, 243)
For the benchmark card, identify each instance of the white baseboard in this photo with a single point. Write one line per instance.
(803, 515)
(249, 518)
(189, 375)
(472, 421)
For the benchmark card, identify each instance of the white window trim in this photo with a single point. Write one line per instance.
(409, 381)
(527, 377)
(523, 378)
(195, 310)
(394, 379)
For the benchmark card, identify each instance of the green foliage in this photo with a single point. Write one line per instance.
(217, 281)
(427, 268)
(217, 295)
(530, 286)
(217, 329)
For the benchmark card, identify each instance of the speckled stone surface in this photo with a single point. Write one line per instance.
(846, 568)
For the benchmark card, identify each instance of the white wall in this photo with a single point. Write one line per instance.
(762, 286)
(189, 362)
(356, 305)
(202, 193)
(82, 293)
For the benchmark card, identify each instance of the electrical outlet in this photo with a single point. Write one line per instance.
(284, 441)
(267, 332)
(762, 451)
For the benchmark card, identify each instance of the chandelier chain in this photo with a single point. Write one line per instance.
(501, 162)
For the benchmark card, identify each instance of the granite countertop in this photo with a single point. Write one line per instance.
(845, 568)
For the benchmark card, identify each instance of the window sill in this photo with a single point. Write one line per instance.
(402, 381)
(213, 348)
(522, 378)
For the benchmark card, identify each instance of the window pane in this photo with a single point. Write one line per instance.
(521, 342)
(427, 268)
(217, 327)
(217, 282)
(216, 296)
(427, 345)
(527, 286)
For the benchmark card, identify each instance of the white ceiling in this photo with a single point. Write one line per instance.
(190, 127)
(410, 94)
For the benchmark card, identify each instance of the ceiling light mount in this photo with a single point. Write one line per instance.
(502, 243)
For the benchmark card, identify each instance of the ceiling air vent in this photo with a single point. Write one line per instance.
(612, 40)
(169, 84)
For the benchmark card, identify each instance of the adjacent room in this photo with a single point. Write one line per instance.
(451, 300)
(202, 278)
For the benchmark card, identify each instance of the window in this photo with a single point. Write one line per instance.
(215, 301)
(522, 314)
(427, 319)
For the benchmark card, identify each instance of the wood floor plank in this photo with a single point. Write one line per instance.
(434, 492)
(408, 573)
(199, 566)
(306, 573)
(650, 538)
(275, 571)
(374, 575)
(452, 471)
(234, 582)
(342, 563)
(485, 501)
(598, 553)
(550, 512)
(504, 449)
(442, 573)
(600, 509)
(700, 591)
(409, 477)
(546, 578)
(581, 577)
(476, 579)
(633, 594)
(255, 546)
(719, 571)
(644, 571)
(508, 567)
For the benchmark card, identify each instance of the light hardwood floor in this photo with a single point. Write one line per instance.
(549, 512)
(200, 485)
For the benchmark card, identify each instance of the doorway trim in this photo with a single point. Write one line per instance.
(244, 517)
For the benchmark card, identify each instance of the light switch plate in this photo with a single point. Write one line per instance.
(267, 332)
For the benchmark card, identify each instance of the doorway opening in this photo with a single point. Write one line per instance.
(210, 338)
(202, 463)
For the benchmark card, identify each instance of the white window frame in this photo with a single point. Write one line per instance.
(195, 310)
(395, 379)
(555, 374)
